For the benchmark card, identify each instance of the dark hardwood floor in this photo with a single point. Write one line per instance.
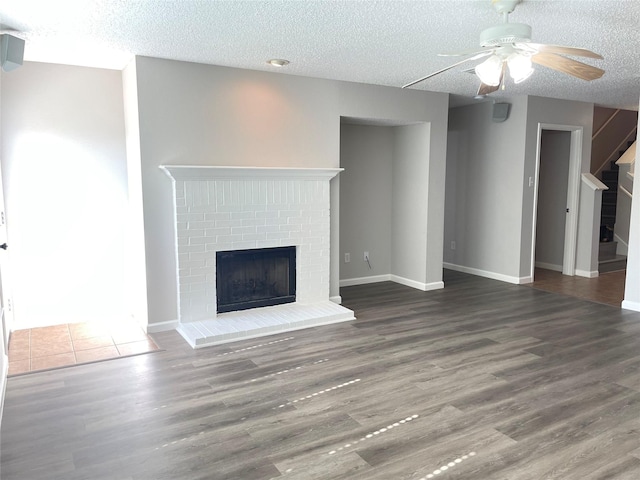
(481, 380)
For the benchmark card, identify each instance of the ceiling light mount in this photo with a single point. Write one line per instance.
(278, 62)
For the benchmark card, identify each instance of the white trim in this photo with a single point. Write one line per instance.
(573, 196)
(425, 287)
(162, 326)
(337, 299)
(487, 274)
(350, 282)
(593, 182)
(587, 274)
(210, 172)
(629, 305)
(549, 266)
(3, 383)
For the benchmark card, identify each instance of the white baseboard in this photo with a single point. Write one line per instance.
(337, 299)
(162, 326)
(425, 287)
(629, 305)
(350, 282)
(587, 274)
(487, 274)
(549, 266)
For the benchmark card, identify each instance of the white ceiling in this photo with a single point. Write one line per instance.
(380, 42)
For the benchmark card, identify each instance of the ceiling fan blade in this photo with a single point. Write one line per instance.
(578, 52)
(485, 89)
(568, 66)
(470, 59)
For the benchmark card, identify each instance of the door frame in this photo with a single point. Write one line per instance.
(573, 196)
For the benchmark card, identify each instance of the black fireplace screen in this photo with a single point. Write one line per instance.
(255, 278)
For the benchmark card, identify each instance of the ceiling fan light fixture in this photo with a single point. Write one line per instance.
(520, 67)
(278, 62)
(490, 70)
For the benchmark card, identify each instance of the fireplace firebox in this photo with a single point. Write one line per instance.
(255, 278)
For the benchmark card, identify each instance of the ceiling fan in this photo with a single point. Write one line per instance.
(509, 48)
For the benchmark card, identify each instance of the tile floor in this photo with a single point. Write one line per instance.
(608, 288)
(57, 346)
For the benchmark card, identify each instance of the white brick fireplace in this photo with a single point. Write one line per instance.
(239, 208)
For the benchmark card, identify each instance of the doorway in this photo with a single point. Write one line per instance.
(553, 177)
(556, 198)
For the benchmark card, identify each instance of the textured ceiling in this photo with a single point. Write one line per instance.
(378, 42)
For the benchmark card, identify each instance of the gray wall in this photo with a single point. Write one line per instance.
(552, 198)
(483, 212)
(417, 248)
(207, 115)
(366, 154)
(555, 112)
(65, 182)
(489, 202)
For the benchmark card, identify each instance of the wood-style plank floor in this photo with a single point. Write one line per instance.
(481, 380)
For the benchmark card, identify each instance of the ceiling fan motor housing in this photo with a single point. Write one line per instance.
(505, 33)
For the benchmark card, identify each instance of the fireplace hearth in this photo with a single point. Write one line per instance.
(255, 278)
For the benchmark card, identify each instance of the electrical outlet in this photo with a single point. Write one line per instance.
(453, 244)
(366, 256)
(347, 257)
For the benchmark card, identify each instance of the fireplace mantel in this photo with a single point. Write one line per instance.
(209, 172)
(222, 208)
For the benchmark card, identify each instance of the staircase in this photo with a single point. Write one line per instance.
(608, 260)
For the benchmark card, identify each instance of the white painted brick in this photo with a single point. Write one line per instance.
(190, 248)
(197, 240)
(192, 263)
(216, 217)
(193, 279)
(242, 215)
(229, 208)
(190, 217)
(203, 209)
(200, 256)
(239, 214)
(268, 213)
(256, 237)
(229, 238)
(201, 225)
(243, 230)
(268, 228)
(253, 222)
(245, 245)
(277, 236)
(190, 233)
(203, 271)
(214, 232)
(229, 223)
